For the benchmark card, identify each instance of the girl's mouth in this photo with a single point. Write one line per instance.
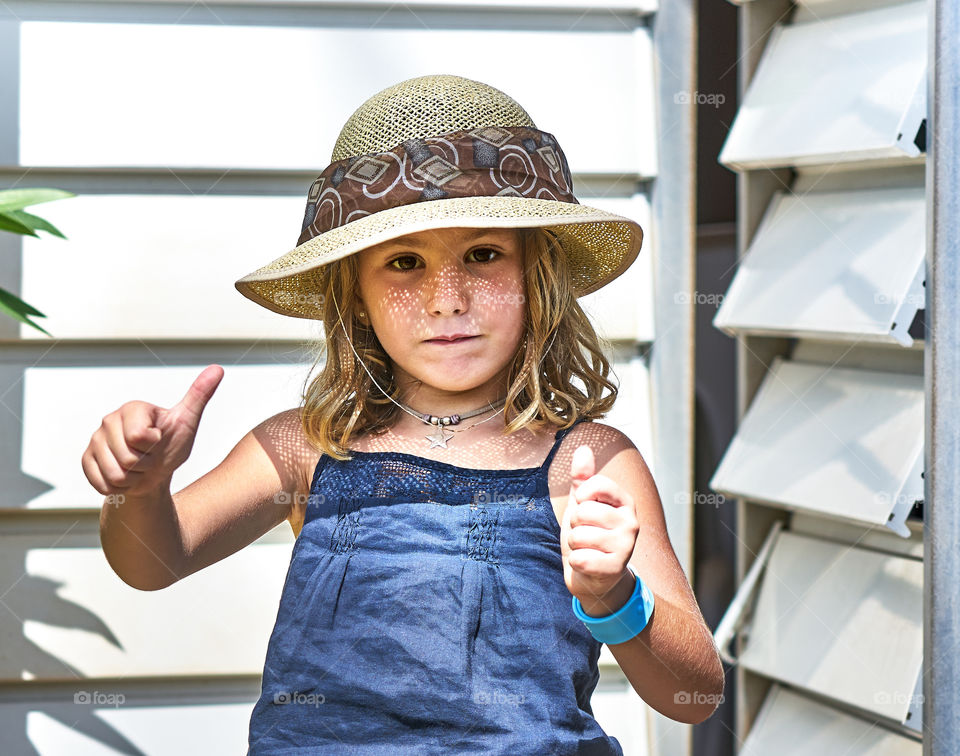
(461, 340)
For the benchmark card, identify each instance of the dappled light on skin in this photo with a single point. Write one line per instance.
(282, 438)
(440, 283)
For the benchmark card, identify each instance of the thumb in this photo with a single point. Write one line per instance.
(581, 467)
(191, 407)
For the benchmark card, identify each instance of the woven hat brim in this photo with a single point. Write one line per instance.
(600, 245)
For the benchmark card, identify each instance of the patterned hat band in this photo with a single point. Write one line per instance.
(516, 161)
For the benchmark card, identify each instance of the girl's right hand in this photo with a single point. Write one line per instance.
(138, 446)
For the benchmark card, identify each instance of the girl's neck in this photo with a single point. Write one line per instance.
(486, 425)
(482, 447)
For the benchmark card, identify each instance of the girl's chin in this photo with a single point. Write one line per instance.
(452, 379)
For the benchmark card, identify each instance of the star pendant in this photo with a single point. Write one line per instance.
(437, 438)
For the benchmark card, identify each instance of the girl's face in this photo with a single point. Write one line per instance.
(446, 282)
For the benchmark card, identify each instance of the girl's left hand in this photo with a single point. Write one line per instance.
(598, 533)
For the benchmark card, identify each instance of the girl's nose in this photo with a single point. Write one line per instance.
(446, 291)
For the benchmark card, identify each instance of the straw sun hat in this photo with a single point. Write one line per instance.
(438, 152)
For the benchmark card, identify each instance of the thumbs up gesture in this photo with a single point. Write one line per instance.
(138, 446)
(597, 537)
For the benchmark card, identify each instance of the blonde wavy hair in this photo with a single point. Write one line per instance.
(342, 403)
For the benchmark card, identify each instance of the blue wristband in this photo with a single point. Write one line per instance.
(625, 623)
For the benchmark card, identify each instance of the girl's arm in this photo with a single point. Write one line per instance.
(154, 538)
(673, 663)
(252, 491)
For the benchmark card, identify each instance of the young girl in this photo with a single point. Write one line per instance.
(467, 534)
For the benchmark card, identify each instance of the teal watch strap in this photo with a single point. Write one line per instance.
(625, 623)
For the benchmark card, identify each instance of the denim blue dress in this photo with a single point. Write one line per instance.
(425, 612)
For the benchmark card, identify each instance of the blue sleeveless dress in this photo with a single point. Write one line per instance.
(425, 612)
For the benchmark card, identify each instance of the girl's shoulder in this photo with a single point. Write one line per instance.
(604, 440)
(294, 457)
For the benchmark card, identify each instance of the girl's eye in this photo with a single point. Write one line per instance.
(402, 257)
(483, 250)
(409, 262)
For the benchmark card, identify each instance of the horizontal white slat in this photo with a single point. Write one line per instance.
(94, 718)
(877, 538)
(91, 718)
(790, 724)
(159, 266)
(147, 279)
(832, 265)
(841, 621)
(809, 10)
(840, 442)
(43, 470)
(841, 89)
(623, 309)
(283, 107)
(544, 5)
(71, 616)
(820, 9)
(59, 409)
(867, 356)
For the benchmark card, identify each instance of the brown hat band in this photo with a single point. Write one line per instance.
(516, 161)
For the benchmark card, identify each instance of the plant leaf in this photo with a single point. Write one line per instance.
(17, 199)
(16, 308)
(35, 222)
(9, 222)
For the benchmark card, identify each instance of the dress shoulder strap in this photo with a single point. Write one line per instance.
(560, 435)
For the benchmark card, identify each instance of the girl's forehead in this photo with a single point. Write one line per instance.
(440, 236)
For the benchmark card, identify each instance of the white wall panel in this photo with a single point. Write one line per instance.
(621, 712)
(283, 107)
(258, 91)
(790, 724)
(107, 719)
(623, 309)
(843, 622)
(48, 474)
(838, 442)
(632, 414)
(71, 616)
(841, 89)
(844, 265)
(548, 5)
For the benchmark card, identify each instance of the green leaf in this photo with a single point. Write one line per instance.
(35, 222)
(16, 308)
(17, 199)
(10, 222)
